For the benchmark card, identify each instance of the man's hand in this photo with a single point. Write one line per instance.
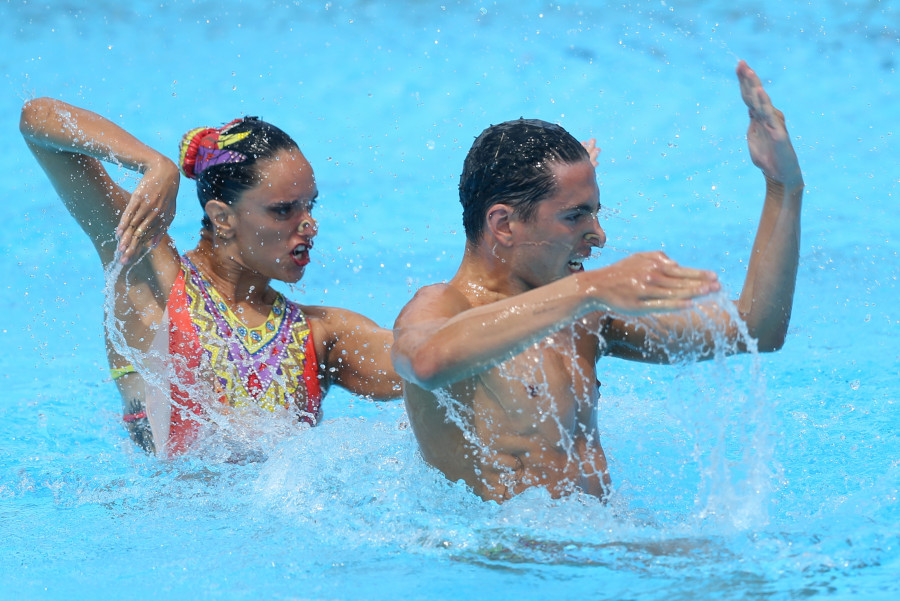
(648, 282)
(767, 136)
(593, 151)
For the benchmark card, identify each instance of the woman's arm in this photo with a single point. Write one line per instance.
(357, 352)
(69, 143)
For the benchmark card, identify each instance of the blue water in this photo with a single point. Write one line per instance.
(385, 99)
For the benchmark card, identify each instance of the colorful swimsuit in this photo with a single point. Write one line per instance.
(271, 366)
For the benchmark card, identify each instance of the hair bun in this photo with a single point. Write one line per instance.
(190, 146)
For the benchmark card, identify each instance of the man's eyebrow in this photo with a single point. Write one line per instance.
(581, 208)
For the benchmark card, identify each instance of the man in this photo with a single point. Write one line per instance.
(499, 363)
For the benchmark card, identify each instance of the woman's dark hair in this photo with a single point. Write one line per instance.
(224, 160)
(510, 163)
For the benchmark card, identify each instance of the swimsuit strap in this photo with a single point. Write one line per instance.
(118, 372)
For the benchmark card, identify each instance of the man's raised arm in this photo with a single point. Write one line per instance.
(768, 293)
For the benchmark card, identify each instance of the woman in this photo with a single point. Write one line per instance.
(195, 336)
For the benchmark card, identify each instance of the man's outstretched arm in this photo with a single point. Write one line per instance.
(440, 339)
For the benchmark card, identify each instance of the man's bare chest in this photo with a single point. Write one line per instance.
(553, 380)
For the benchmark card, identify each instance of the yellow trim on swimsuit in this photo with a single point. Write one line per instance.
(118, 372)
(254, 338)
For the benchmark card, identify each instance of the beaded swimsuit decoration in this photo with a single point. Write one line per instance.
(273, 365)
(263, 365)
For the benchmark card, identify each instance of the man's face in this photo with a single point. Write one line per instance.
(559, 237)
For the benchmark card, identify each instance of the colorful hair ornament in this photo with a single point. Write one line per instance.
(204, 147)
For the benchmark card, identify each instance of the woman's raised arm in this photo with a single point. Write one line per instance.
(69, 143)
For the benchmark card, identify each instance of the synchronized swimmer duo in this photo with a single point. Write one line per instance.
(530, 202)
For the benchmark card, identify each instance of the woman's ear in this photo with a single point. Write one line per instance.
(498, 224)
(222, 217)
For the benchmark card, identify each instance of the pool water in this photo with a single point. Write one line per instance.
(773, 476)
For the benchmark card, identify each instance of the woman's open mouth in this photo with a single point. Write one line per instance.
(300, 255)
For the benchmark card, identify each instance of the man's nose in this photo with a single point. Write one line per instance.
(597, 237)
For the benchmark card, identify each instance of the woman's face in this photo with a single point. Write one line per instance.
(274, 229)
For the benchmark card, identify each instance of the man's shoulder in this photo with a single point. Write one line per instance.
(443, 299)
(443, 293)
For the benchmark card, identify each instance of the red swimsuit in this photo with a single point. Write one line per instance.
(270, 366)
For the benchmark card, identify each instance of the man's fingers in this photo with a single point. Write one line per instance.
(687, 274)
(681, 290)
(593, 151)
(668, 305)
(749, 82)
(684, 283)
(755, 96)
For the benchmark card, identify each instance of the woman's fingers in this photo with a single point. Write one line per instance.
(145, 219)
(138, 227)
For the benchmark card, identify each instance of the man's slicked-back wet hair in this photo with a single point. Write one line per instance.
(510, 163)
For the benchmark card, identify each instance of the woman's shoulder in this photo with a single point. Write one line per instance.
(333, 323)
(155, 273)
(329, 315)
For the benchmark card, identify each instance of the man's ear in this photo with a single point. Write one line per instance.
(222, 217)
(498, 223)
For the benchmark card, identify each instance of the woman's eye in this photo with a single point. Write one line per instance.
(575, 217)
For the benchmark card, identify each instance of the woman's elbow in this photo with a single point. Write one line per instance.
(34, 113)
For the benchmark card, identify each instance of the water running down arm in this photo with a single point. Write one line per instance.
(70, 143)
(439, 338)
(767, 295)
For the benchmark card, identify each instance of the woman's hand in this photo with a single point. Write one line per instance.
(149, 211)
